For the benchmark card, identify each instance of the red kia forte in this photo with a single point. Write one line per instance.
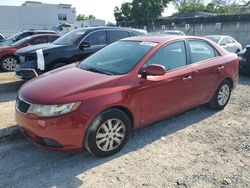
(127, 85)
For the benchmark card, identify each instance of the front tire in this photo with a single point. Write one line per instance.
(108, 133)
(8, 63)
(221, 96)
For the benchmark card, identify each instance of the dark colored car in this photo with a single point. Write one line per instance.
(126, 85)
(72, 47)
(8, 59)
(18, 36)
(2, 38)
(244, 57)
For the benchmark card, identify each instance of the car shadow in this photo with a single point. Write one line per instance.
(244, 80)
(21, 159)
(8, 96)
(11, 86)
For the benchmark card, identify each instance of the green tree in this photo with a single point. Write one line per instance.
(146, 12)
(124, 13)
(81, 17)
(91, 16)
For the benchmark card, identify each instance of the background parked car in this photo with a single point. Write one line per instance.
(173, 32)
(244, 57)
(2, 38)
(8, 59)
(127, 85)
(227, 42)
(18, 36)
(71, 47)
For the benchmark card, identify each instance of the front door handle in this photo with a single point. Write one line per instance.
(187, 78)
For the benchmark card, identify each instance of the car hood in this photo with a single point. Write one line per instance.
(33, 48)
(66, 84)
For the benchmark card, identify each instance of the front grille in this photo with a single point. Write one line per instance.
(22, 106)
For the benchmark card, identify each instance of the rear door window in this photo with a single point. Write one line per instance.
(52, 38)
(97, 38)
(201, 51)
(117, 35)
(39, 40)
(172, 56)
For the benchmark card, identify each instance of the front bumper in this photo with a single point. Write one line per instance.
(25, 73)
(62, 133)
(27, 70)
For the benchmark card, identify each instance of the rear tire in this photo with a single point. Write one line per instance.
(8, 63)
(221, 96)
(108, 133)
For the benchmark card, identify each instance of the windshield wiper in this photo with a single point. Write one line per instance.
(97, 70)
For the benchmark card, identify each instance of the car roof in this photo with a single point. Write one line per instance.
(218, 36)
(39, 31)
(112, 27)
(48, 34)
(160, 38)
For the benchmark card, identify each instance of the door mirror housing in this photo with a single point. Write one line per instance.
(84, 44)
(153, 70)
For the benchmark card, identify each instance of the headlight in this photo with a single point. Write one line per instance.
(53, 110)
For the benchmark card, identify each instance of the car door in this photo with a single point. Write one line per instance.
(208, 70)
(115, 35)
(163, 96)
(224, 43)
(97, 40)
(231, 45)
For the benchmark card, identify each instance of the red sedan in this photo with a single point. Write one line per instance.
(8, 60)
(127, 85)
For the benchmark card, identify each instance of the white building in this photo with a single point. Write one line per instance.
(34, 15)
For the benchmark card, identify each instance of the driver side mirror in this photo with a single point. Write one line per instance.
(153, 70)
(84, 44)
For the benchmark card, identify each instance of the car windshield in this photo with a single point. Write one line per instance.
(117, 58)
(216, 39)
(20, 42)
(71, 37)
(13, 37)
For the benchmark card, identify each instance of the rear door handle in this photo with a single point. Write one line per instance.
(220, 68)
(187, 78)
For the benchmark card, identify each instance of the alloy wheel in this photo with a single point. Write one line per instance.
(110, 135)
(9, 63)
(223, 95)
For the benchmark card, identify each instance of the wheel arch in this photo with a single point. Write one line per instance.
(230, 80)
(9, 55)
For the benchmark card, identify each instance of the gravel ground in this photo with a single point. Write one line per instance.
(201, 148)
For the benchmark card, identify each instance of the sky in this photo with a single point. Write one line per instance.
(101, 9)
